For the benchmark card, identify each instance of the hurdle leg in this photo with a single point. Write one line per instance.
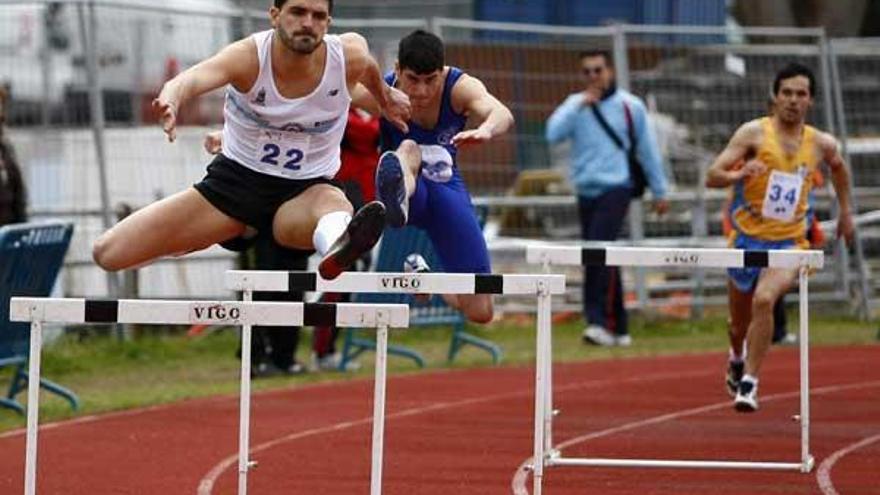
(33, 409)
(806, 458)
(543, 323)
(548, 374)
(548, 380)
(244, 408)
(379, 409)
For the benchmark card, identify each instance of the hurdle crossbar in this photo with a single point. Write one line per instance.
(540, 285)
(685, 257)
(407, 283)
(802, 260)
(55, 310)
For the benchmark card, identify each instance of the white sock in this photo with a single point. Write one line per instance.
(750, 378)
(329, 228)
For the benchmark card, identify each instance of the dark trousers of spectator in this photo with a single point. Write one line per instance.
(276, 345)
(601, 220)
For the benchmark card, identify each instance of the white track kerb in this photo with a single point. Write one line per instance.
(804, 261)
(540, 286)
(41, 310)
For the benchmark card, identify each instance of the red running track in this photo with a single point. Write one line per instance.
(468, 432)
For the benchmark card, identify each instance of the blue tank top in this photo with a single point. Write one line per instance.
(448, 125)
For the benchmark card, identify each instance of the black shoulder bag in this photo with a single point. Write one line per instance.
(636, 172)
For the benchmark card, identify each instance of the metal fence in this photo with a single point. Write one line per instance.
(68, 62)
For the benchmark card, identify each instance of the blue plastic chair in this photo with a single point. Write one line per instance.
(31, 255)
(396, 245)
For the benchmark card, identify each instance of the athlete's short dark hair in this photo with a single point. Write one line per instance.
(280, 3)
(420, 52)
(605, 54)
(794, 69)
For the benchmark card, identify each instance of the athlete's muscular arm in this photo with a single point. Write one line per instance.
(830, 150)
(724, 170)
(362, 68)
(236, 64)
(363, 99)
(470, 95)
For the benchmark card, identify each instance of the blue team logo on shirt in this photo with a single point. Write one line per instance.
(260, 98)
(293, 127)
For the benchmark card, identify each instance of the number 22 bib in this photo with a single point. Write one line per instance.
(281, 150)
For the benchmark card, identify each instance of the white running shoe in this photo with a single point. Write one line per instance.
(746, 396)
(415, 263)
(331, 362)
(596, 335)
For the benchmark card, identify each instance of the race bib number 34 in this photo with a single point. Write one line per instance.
(782, 196)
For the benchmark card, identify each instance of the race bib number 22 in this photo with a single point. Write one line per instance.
(286, 153)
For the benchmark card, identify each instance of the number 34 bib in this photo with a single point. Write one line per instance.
(782, 196)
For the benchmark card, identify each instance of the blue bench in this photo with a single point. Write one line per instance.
(396, 245)
(31, 255)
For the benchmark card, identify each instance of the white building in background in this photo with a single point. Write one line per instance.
(139, 44)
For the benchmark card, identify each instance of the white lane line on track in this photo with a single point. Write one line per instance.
(158, 407)
(82, 420)
(520, 477)
(823, 474)
(206, 485)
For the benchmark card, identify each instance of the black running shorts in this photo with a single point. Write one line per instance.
(249, 196)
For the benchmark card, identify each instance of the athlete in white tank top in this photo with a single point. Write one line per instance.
(295, 138)
(291, 138)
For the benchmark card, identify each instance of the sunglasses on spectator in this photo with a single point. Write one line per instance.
(592, 70)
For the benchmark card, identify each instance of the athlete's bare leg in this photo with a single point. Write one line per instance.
(772, 283)
(740, 305)
(475, 307)
(177, 224)
(411, 158)
(295, 221)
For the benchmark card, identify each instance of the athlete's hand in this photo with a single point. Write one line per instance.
(214, 142)
(750, 169)
(167, 116)
(397, 108)
(592, 96)
(471, 136)
(661, 206)
(845, 227)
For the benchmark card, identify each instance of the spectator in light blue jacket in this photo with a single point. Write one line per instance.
(600, 175)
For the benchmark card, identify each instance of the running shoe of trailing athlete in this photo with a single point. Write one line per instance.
(733, 376)
(391, 188)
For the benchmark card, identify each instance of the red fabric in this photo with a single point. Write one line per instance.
(360, 152)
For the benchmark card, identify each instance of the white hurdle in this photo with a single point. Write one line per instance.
(48, 310)
(803, 260)
(541, 286)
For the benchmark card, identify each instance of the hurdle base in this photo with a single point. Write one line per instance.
(662, 463)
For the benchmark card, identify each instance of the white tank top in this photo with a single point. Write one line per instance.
(290, 138)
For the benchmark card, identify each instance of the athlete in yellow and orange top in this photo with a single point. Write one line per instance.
(769, 211)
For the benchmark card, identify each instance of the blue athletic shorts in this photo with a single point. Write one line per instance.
(745, 279)
(444, 210)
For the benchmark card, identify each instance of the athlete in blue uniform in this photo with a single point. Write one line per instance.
(417, 178)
